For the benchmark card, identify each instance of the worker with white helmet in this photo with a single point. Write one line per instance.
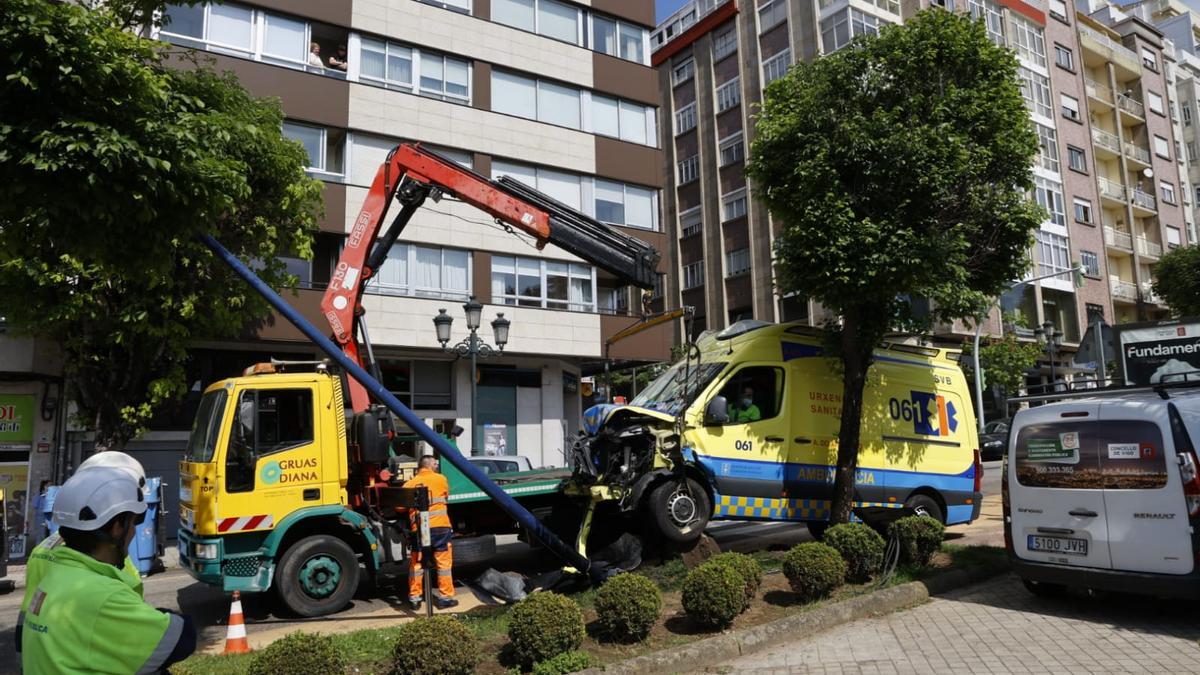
(43, 554)
(84, 617)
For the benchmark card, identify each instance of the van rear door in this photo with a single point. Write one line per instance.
(1056, 490)
(1148, 527)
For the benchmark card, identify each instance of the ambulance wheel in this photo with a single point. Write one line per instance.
(318, 575)
(924, 505)
(817, 528)
(680, 514)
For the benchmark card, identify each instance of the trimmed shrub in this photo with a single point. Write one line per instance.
(567, 662)
(543, 626)
(861, 547)
(919, 538)
(439, 645)
(297, 654)
(814, 569)
(746, 567)
(713, 595)
(628, 606)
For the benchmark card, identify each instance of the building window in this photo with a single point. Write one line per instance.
(530, 282)
(737, 262)
(444, 77)
(1070, 107)
(690, 222)
(1058, 9)
(839, 28)
(1047, 147)
(421, 385)
(1174, 236)
(1053, 254)
(1091, 263)
(1049, 195)
(545, 17)
(1036, 90)
(683, 71)
(1162, 147)
(724, 44)
(732, 149)
(325, 147)
(685, 119)
(689, 169)
(771, 14)
(729, 94)
(560, 185)
(693, 275)
(1168, 192)
(1187, 114)
(558, 104)
(1076, 159)
(460, 6)
(776, 66)
(619, 39)
(424, 271)
(989, 12)
(1155, 103)
(1150, 59)
(1027, 39)
(1191, 152)
(621, 119)
(387, 63)
(733, 205)
(623, 204)
(1083, 211)
(1064, 58)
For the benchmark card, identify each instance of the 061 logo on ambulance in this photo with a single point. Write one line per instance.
(931, 414)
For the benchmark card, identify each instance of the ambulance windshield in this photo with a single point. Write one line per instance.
(675, 389)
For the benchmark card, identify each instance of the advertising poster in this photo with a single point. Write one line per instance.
(1160, 353)
(495, 440)
(14, 481)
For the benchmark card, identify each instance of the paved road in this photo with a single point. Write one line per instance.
(998, 627)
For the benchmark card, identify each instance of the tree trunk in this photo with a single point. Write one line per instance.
(856, 359)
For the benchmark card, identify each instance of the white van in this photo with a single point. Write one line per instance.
(1104, 493)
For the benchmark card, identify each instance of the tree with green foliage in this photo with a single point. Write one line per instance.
(898, 167)
(1177, 280)
(1003, 361)
(112, 161)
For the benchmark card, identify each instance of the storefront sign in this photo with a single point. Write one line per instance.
(1161, 352)
(16, 422)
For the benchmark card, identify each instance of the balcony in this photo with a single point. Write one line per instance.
(1148, 249)
(1099, 48)
(1111, 190)
(1119, 239)
(1106, 144)
(1139, 156)
(1143, 200)
(1101, 93)
(1148, 294)
(1123, 290)
(1132, 108)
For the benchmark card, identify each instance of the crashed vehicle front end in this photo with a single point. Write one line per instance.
(622, 451)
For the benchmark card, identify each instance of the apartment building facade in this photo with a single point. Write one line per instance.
(1098, 96)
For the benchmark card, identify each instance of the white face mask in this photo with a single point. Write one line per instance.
(747, 402)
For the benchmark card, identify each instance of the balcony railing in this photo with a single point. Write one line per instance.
(1106, 42)
(1138, 154)
(1098, 91)
(1150, 249)
(1143, 199)
(1149, 295)
(1118, 238)
(1106, 140)
(1123, 290)
(1131, 106)
(1111, 189)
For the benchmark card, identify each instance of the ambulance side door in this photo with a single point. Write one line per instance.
(748, 453)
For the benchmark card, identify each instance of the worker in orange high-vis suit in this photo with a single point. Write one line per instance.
(440, 533)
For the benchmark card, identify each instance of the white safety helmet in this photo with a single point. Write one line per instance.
(115, 459)
(94, 496)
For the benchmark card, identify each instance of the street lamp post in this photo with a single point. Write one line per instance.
(472, 345)
(1050, 337)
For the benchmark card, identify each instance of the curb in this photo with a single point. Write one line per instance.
(714, 650)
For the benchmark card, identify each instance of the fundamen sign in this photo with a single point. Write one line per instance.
(1151, 353)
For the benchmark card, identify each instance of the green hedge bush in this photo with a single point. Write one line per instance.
(814, 569)
(543, 626)
(298, 654)
(567, 662)
(919, 538)
(861, 547)
(439, 645)
(746, 567)
(713, 595)
(628, 606)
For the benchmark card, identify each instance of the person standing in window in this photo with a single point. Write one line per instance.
(314, 56)
(340, 60)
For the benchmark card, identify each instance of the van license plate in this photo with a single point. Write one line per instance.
(1067, 545)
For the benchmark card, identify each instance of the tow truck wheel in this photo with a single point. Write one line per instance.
(317, 576)
(680, 512)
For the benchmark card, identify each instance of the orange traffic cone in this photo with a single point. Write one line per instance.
(235, 635)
